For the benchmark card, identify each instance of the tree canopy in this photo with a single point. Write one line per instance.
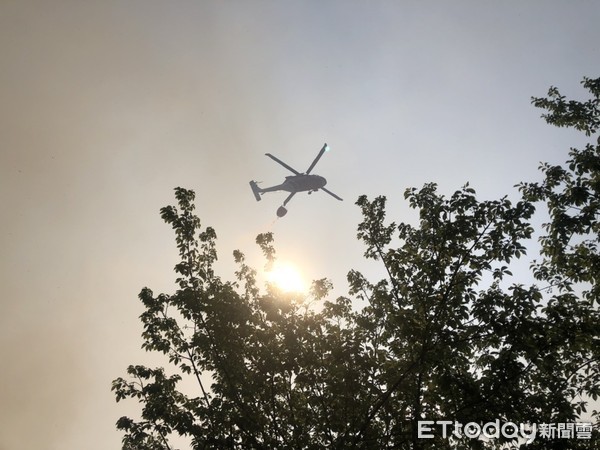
(449, 333)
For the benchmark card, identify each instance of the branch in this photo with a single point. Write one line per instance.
(160, 433)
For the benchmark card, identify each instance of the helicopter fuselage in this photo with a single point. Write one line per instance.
(299, 183)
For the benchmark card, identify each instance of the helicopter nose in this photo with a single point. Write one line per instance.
(322, 181)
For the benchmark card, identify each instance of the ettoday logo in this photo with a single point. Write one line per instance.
(508, 430)
(473, 430)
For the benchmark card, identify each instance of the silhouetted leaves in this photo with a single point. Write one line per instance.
(449, 332)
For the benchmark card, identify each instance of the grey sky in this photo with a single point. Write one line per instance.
(106, 106)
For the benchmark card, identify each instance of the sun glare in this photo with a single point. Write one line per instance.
(286, 277)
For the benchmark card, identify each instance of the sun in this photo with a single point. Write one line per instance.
(286, 277)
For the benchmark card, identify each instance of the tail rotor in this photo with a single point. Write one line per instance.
(255, 190)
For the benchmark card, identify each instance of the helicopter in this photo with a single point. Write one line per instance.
(299, 182)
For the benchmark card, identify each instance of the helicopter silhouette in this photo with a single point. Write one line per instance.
(299, 182)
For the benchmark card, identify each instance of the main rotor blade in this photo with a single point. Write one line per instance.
(289, 197)
(291, 169)
(314, 163)
(331, 193)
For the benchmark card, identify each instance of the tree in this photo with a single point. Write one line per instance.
(448, 334)
(572, 195)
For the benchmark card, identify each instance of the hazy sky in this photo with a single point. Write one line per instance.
(105, 107)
